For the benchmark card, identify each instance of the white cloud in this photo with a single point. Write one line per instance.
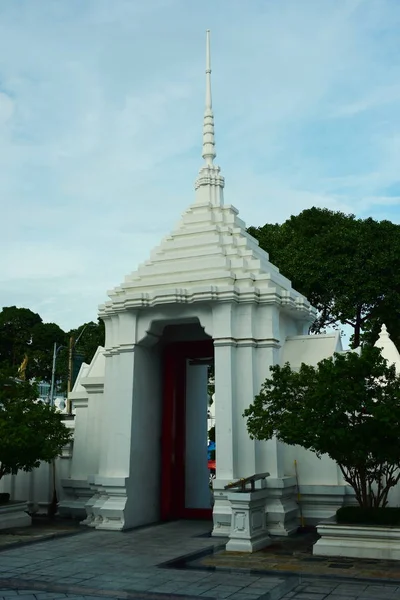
(100, 127)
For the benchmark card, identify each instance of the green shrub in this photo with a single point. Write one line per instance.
(360, 515)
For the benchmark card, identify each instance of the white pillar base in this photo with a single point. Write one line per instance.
(320, 502)
(281, 506)
(222, 512)
(358, 541)
(248, 529)
(13, 514)
(77, 493)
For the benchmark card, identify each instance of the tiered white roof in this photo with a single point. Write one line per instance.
(209, 256)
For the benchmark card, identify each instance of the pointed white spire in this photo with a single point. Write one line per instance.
(208, 126)
(209, 184)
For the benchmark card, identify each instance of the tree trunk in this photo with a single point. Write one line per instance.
(357, 330)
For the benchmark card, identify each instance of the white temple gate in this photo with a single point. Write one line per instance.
(208, 291)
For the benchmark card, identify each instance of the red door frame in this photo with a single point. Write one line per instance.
(174, 431)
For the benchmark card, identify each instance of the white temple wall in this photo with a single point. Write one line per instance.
(311, 469)
(289, 326)
(36, 487)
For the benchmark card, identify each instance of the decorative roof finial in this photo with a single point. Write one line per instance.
(208, 127)
(209, 183)
(384, 332)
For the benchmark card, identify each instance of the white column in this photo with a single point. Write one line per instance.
(115, 459)
(281, 506)
(267, 354)
(225, 432)
(79, 466)
(225, 405)
(112, 509)
(225, 414)
(245, 385)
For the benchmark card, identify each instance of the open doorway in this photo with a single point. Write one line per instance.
(185, 477)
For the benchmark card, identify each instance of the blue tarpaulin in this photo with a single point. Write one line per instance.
(210, 448)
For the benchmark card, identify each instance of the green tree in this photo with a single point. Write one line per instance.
(347, 407)
(89, 337)
(44, 336)
(23, 333)
(30, 431)
(348, 268)
(16, 330)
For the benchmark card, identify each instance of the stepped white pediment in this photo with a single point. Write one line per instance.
(310, 349)
(208, 257)
(78, 388)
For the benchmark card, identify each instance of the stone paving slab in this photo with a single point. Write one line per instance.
(41, 529)
(293, 556)
(114, 565)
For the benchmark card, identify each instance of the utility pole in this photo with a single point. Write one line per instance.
(70, 372)
(53, 373)
(52, 509)
(72, 345)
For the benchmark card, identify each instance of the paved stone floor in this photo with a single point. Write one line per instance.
(42, 528)
(294, 555)
(108, 565)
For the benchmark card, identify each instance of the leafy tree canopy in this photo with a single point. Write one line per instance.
(24, 337)
(30, 431)
(348, 268)
(347, 407)
(89, 337)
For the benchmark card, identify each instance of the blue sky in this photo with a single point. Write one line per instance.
(101, 105)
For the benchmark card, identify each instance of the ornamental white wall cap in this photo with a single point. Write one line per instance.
(388, 348)
(211, 294)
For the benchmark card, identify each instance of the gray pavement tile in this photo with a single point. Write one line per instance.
(189, 578)
(381, 595)
(254, 592)
(199, 589)
(228, 588)
(320, 588)
(264, 583)
(89, 597)
(311, 596)
(244, 596)
(48, 595)
(383, 590)
(355, 588)
(192, 592)
(200, 585)
(138, 587)
(341, 597)
(213, 594)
